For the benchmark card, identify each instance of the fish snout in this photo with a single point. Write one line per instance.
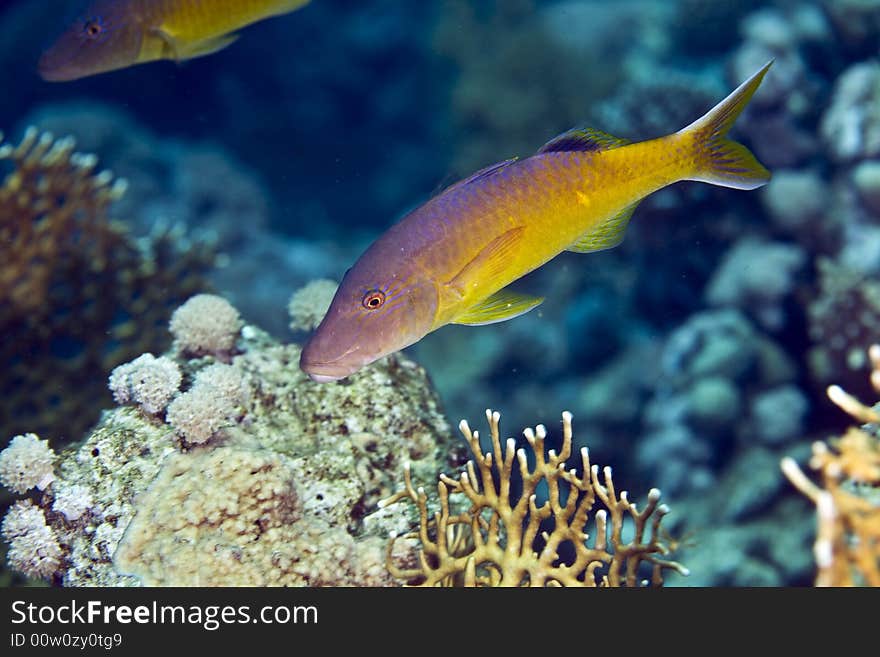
(50, 70)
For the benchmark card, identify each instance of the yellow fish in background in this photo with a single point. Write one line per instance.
(450, 260)
(115, 34)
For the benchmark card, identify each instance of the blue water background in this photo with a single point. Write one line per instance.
(317, 130)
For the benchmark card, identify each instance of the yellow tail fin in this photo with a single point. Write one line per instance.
(719, 160)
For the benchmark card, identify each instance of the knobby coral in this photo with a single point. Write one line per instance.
(26, 463)
(33, 545)
(205, 324)
(499, 541)
(78, 294)
(147, 381)
(847, 547)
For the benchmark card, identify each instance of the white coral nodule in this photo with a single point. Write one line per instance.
(34, 549)
(205, 324)
(147, 381)
(26, 463)
(199, 413)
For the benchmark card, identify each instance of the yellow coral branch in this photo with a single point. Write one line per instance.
(847, 547)
(494, 540)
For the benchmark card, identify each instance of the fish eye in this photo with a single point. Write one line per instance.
(373, 299)
(93, 28)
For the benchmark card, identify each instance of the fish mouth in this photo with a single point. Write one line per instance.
(331, 370)
(324, 378)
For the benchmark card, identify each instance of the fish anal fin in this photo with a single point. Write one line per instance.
(489, 263)
(582, 139)
(499, 307)
(606, 235)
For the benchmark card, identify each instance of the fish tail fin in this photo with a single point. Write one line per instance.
(717, 159)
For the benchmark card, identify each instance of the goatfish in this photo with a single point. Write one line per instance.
(450, 260)
(115, 34)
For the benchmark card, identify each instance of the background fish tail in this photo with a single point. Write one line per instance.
(717, 159)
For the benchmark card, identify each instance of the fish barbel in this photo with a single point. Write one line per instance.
(115, 34)
(449, 260)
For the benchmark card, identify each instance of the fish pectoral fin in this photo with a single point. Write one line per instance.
(583, 139)
(499, 307)
(170, 46)
(606, 235)
(208, 46)
(490, 263)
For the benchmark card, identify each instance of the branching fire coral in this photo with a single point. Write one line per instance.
(847, 548)
(505, 539)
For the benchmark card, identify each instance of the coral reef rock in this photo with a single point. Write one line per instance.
(284, 492)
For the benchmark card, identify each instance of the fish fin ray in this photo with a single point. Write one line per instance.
(606, 235)
(499, 307)
(719, 160)
(583, 139)
(489, 263)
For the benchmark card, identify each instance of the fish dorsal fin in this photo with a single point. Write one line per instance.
(606, 235)
(582, 139)
(489, 263)
(499, 307)
(482, 173)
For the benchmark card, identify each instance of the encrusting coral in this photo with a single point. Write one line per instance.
(78, 294)
(847, 547)
(501, 540)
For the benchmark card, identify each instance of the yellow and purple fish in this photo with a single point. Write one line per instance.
(115, 34)
(450, 260)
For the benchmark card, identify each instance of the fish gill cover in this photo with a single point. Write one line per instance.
(694, 356)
